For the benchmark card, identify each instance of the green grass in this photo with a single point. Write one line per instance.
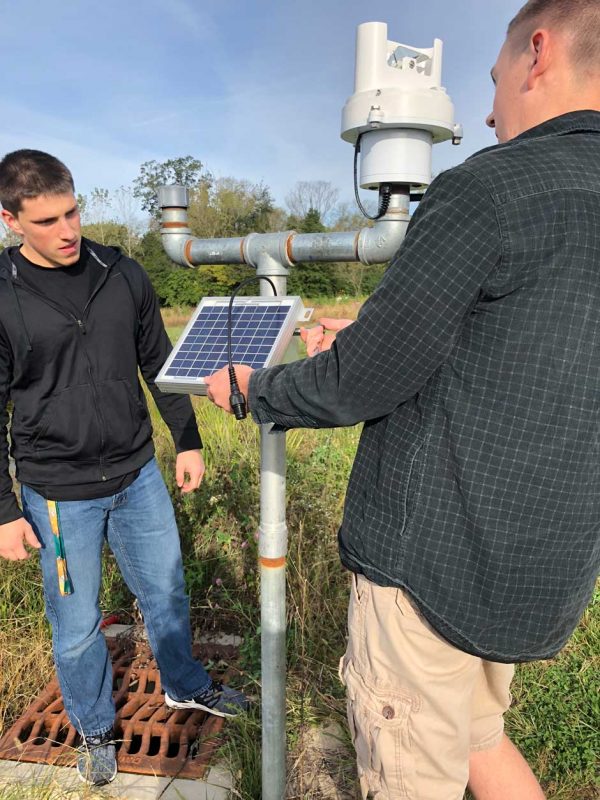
(555, 718)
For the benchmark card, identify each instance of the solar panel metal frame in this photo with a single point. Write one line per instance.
(196, 385)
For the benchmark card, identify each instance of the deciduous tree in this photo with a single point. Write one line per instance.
(186, 171)
(306, 195)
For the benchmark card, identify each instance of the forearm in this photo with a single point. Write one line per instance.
(9, 508)
(305, 394)
(153, 348)
(178, 413)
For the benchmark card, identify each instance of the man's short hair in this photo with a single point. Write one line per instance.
(30, 173)
(580, 18)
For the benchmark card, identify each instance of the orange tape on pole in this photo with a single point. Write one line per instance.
(273, 563)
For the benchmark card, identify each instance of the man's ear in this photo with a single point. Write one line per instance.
(540, 50)
(11, 222)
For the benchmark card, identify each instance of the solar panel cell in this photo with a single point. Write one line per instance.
(261, 330)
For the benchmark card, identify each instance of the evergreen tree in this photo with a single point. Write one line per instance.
(314, 279)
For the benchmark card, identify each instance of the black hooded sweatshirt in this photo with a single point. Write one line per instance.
(79, 415)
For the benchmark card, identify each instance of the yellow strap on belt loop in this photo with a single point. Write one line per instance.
(64, 582)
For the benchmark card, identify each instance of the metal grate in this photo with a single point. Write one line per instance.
(151, 738)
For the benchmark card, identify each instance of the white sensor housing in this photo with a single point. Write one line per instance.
(400, 108)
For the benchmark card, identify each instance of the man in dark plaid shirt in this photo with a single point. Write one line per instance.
(472, 515)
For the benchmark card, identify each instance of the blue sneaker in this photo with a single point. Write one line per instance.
(97, 760)
(218, 699)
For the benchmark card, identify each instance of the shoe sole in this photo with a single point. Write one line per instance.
(196, 707)
(91, 783)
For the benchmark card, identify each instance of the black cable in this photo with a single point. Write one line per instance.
(385, 190)
(237, 401)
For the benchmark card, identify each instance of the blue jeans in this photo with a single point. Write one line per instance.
(139, 525)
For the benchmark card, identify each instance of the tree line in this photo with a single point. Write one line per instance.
(220, 207)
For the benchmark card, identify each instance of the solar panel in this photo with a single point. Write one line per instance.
(262, 328)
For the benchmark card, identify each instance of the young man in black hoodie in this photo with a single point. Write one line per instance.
(77, 320)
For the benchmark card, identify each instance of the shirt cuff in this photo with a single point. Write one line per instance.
(187, 439)
(9, 509)
(262, 412)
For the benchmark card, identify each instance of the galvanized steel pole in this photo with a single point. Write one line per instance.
(272, 544)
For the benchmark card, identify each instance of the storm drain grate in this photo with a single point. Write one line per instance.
(151, 738)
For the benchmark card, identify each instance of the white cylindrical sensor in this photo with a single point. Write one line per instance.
(399, 108)
(371, 41)
(393, 155)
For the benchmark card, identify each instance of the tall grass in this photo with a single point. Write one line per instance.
(25, 653)
(556, 715)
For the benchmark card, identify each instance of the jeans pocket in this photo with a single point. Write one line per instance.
(379, 723)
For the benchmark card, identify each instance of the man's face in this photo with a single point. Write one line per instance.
(50, 228)
(510, 79)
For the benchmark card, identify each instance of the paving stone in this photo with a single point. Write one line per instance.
(216, 784)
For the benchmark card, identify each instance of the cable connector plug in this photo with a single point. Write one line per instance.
(237, 401)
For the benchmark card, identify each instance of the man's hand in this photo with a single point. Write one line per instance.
(317, 340)
(14, 536)
(219, 388)
(189, 470)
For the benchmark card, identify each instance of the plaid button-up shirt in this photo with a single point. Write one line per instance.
(476, 368)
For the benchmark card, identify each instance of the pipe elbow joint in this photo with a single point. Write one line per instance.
(175, 234)
(378, 244)
(175, 245)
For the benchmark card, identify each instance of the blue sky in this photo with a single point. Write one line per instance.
(252, 89)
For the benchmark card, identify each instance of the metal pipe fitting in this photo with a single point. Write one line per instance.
(261, 249)
(381, 242)
(370, 245)
(215, 251)
(336, 246)
(175, 234)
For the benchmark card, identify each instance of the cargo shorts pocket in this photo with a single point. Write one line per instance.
(379, 723)
(360, 592)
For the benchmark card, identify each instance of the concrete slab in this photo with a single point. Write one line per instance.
(216, 785)
(115, 630)
(222, 639)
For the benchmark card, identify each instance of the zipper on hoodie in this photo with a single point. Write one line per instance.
(82, 330)
(99, 415)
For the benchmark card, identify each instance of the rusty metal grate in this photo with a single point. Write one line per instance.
(151, 738)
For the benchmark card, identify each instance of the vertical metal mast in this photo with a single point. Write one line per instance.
(272, 544)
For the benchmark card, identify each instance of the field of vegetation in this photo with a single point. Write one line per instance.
(555, 718)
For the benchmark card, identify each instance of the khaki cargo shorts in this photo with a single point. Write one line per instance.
(417, 706)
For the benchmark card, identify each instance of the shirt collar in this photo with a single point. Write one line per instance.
(566, 123)
(573, 122)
